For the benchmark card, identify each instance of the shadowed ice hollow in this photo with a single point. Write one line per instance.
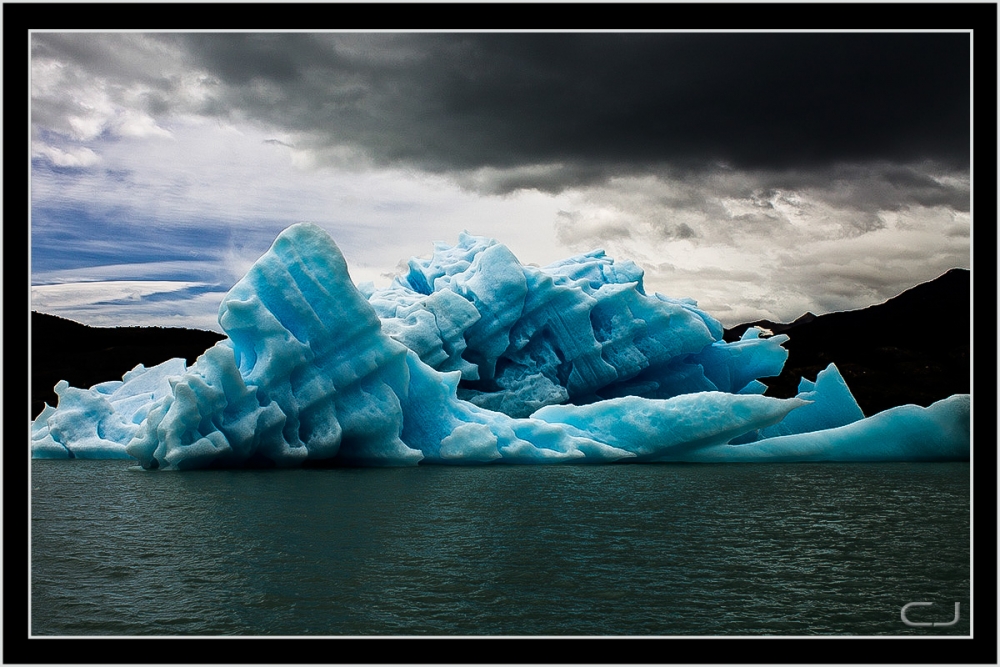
(474, 358)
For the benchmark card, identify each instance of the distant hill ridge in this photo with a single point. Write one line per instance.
(913, 348)
(62, 349)
(900, 351)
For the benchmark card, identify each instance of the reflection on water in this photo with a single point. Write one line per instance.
(742, 549)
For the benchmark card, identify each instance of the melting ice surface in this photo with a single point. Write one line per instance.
(473, 358)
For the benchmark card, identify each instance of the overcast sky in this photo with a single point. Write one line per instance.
(762, 174)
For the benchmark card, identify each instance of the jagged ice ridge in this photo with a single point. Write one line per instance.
(474, 358)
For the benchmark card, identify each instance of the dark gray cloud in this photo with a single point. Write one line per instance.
(762, 174)
(880, 185)
(507, 111)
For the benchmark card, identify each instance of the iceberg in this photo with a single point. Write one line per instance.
(472, 358)
(579, 330)
(98, 423)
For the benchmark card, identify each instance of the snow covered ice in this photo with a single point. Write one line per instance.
(473, 358)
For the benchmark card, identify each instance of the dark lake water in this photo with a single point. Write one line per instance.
(725, 549)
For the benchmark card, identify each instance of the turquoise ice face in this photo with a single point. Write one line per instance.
(474, 358)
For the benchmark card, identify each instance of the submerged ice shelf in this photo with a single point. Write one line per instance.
(473, 358)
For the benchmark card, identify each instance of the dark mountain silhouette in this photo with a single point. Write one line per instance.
(914, 348)
(62, 349)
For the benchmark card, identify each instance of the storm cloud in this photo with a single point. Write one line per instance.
(824, 165)
(510, 111)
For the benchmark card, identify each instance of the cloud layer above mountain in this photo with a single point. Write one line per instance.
(763, 174)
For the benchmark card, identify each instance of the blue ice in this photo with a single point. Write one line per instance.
(471, 358)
